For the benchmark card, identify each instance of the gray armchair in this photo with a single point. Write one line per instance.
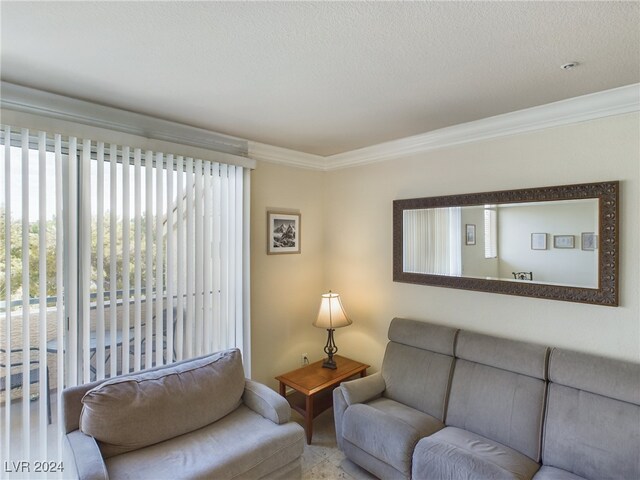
(198, 418)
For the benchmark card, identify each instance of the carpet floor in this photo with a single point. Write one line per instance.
(322, 460)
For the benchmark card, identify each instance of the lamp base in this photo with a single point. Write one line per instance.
(330, 349)
(329, 363)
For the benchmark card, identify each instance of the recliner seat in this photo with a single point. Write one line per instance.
(379, 419)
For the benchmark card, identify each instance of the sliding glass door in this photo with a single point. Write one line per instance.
(31, 290)
(112, 259)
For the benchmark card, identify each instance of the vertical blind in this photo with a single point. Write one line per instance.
(432, 240)
(114, 259)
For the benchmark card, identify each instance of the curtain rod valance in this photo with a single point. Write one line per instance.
(38, 110)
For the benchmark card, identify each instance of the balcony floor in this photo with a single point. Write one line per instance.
(40, 448)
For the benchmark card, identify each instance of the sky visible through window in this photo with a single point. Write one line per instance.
(35, 187)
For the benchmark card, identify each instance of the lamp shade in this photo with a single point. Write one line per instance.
(331, 313)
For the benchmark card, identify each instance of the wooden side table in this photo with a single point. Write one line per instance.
(314, 387)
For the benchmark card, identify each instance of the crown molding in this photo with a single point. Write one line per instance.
(617, 101)
(59, 107)
(285, 156)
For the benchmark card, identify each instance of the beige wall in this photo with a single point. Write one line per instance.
(358, 204)
(285, 289)
(347, 247)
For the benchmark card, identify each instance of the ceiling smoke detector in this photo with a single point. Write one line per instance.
(569, 66)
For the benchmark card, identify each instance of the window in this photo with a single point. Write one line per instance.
(490, 231)
(112, 259)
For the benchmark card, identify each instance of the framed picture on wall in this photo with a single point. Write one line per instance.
(470, 234)
(283, 232)
(589, 241)
(538, 241)
(563, 241)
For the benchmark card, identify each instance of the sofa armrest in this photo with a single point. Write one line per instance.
(363, 389)
(261, 399)
(83, 458)
(339, 407)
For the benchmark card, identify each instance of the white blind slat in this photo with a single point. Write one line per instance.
(85, 262)
(180, 259)
(59, 280)
(159, 261)
(207, 263)
(26, 311)
(190, 280)
(199, 283)
(231, 254)
(7, 282)
(238, 267)
(217, 255)
(148, 245)
(71, 352)
(100, 324)
(137, 289)
(42, 294)
(113, 257)
(224, 254)
(126, 267)
(170, 279)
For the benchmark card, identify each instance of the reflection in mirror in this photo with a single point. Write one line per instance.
(433, 241)
(436, 242)
(558, 243)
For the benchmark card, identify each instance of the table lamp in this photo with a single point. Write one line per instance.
(331, 316)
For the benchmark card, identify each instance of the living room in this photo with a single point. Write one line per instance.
(532, 124)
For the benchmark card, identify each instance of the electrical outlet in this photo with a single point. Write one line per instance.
(304, 359)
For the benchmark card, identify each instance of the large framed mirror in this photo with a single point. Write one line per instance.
(558, 243)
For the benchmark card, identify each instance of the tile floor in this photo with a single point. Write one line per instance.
(322, 460)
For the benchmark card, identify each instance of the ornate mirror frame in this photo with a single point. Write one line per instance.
(606, 192)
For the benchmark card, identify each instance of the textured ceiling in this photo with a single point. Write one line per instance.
(320, 77)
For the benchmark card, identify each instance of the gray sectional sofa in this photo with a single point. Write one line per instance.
(196, 419)
(454, 404)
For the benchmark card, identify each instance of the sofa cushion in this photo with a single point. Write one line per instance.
(423, 423)
(590, 435)
(418, 378)
(592, 425)
(242, 444)
(497, 404)
(453, 453)
(552, 473)
(134, 411)
(498, 390)
(372, 464)
(512, 355)
(363, 389)
(592, 373)
(387, 430)
(423, 335)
